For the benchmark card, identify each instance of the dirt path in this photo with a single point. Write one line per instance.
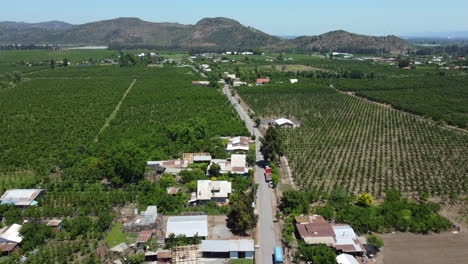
(114, 113)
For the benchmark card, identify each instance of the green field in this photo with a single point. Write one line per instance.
(362, 146)
(443, 98)
(44, 120)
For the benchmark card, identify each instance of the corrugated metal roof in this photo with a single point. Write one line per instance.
(20, 197)
(11, 234)
(187, 225)
(241, 245)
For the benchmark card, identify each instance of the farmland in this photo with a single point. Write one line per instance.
(441, 98)
(45, 119)
(362, 146)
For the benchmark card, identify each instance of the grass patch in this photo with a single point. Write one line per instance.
(241, 261)
(115, 236)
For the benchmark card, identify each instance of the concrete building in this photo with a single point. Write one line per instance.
(21, 197)
(233, 249)
(239, 164)
(187, 225)
(217, 191)
(238, 144)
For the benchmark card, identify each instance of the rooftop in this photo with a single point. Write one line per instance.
(283, 121)
(10, 234)
(241, 245)
(187, 225)
(206, 189)
(20, 197)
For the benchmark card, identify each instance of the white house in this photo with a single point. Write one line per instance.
(239, 164)
(284, 123)
(294, 81)
(238, 143)
(217, 191)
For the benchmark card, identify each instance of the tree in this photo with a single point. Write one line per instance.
(271, 148)
(319, 254)
(297, 201)
(215, 170)
(257, 121)
(135, 259)
(52, 64)
(242, 217)
(65, 63)
(128, 163)
(403, 62)
(34, 235)
(375, 241)
(365, 199)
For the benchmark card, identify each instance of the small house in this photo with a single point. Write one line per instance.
(217, 191)
(238, 144)
(283, 123)
(293, 81)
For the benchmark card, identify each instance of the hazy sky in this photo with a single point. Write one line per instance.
(291, 17)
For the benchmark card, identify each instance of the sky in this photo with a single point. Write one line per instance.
(292, 17)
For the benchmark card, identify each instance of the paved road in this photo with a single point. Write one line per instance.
(266, 235)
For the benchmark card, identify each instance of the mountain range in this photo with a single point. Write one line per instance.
(209, 32)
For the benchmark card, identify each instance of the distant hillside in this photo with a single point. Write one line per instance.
(209, 32)
(348, 42)
(50, 25)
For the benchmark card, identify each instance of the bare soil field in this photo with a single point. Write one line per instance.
(401, 248)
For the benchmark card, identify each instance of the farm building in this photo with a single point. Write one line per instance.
(169, 166)
(10, 238)
(217, 191)
(283, 123)
(21, 197)
(187, 225)
(294, 81)
(234, 249)
(238, 143)
(314, 229)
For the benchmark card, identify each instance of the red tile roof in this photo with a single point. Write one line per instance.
(265, 80)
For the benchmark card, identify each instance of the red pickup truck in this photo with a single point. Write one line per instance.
(268, 173)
